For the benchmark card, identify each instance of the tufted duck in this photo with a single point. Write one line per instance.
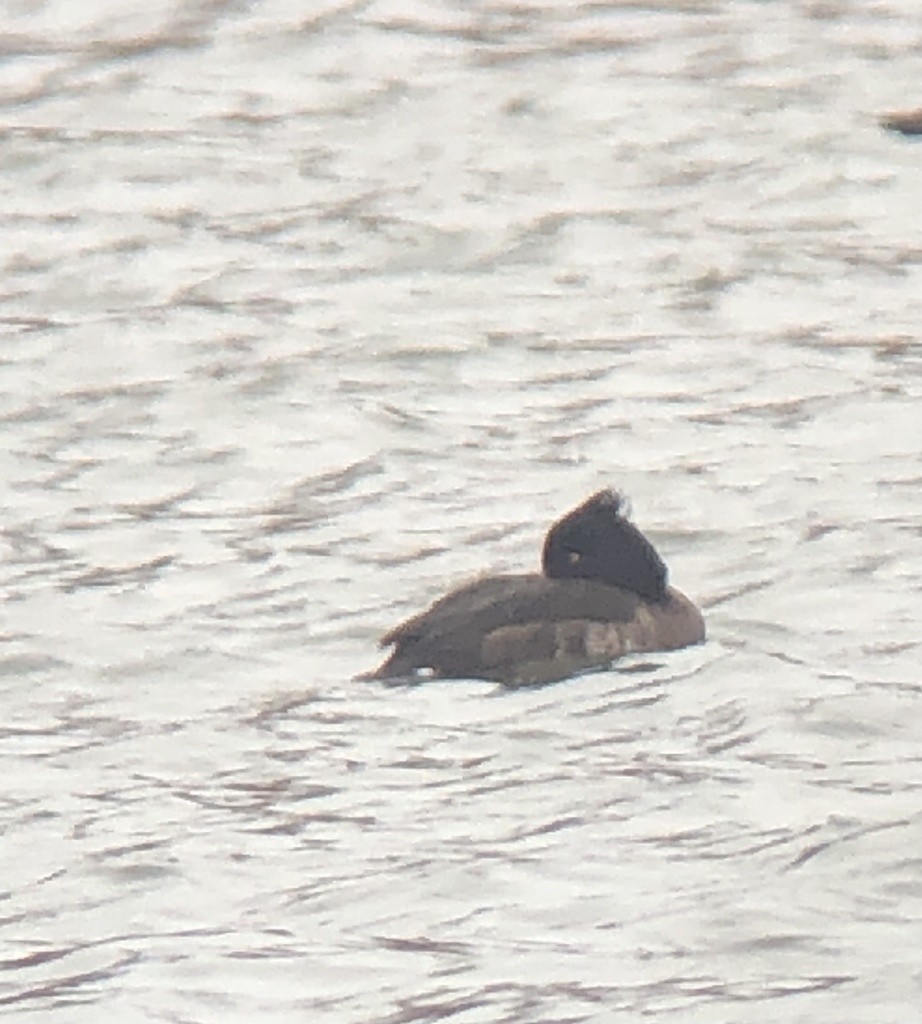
(602, 593)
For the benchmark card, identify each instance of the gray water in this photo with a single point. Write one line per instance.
(311, 311)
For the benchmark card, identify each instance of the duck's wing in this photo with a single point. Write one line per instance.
(479, 601)
(496, 601)
(482, 629)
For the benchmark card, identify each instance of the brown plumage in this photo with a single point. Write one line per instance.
(602, 594)
(909, 122)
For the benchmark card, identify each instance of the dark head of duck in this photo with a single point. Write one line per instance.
(596, 542)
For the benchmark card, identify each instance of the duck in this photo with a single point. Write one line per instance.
(907, 122)
(602, 593)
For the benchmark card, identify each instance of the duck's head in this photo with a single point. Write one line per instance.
(596, 542)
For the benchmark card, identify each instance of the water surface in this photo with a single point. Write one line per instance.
(309, 314)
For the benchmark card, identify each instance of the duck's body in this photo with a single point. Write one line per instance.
(602, 594)
(909, 122)
(530, 629)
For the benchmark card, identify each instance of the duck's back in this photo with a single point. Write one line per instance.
(528, 628)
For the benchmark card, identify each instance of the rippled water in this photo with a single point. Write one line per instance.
(310, 311)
